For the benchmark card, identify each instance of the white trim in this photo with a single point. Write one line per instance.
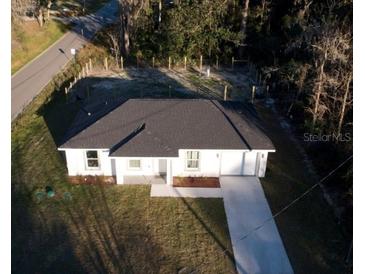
(180, 149)
(64, 149)
(137, 158)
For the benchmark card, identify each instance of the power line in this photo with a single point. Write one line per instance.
(296, 199)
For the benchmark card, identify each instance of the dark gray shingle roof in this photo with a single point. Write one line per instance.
(159, 127)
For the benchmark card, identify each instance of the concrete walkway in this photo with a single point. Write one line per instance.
(246, 208)
(190, 192)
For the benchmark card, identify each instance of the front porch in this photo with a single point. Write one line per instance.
(144, 180)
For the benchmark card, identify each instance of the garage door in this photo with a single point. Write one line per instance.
(231, 163)
(249, 166)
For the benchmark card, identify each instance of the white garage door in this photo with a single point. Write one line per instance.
(249, 166)
(231, 163)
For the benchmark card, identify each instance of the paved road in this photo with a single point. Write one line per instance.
(30, 80)
(262, 252)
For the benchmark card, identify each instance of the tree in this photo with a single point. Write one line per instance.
(129, 13)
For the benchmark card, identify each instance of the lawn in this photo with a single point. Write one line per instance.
(102, 229)
(313, 240)
(28, 40)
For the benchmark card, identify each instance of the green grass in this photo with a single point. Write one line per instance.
(313, 240)
(114, 229)
(29, 40)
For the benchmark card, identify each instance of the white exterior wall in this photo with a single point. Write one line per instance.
(76, 163)
(209, 164)
(262, 159)
(213, 163)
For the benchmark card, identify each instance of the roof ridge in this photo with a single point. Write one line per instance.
(228, 119)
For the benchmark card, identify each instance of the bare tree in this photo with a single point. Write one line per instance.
(114, 38)
(49, 4)
(331, 47)
(129, 12)
(345, 102)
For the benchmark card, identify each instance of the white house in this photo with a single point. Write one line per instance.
(167, 138)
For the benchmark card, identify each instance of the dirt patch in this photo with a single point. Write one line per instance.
(212, 182)
(135, 82)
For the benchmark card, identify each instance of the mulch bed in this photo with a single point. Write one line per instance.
(92, 180)
(196, 182)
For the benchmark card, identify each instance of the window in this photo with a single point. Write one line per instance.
(134, 164)
(92, 159)
(192, 160)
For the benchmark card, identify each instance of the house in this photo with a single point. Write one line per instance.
(167, 138)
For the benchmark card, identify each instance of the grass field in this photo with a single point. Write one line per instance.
(28, 40)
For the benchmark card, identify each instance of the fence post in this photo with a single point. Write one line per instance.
(153, 61)
(185, 62)
(253, 94)
(225, 93)
(232, 62)
(208, 72)
(106, 63)
(121, 63)
(169, 62)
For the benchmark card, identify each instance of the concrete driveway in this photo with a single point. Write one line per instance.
(246, 208)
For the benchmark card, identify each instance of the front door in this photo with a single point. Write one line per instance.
(162, 166)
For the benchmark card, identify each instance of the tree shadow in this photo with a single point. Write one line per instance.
(41, 242)
(225, 248)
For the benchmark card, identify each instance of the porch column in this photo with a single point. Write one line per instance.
(168, 172)
(119, 171)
